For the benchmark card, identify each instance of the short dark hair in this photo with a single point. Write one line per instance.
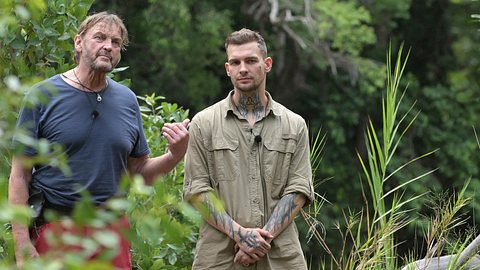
(245, 35)
(106, 17)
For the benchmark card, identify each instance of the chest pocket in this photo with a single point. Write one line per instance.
(223, 159)
(278, 153)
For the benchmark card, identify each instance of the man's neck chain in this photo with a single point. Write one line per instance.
(99, 96)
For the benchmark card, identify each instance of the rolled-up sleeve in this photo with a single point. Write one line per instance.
(300, 172)
(196, 169)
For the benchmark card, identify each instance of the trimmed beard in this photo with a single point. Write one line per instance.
(103, 67)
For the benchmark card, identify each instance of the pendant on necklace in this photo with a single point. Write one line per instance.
(99, 98)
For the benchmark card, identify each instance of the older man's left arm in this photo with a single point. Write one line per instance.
(151, 167)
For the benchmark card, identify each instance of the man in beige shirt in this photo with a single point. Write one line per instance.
(252, 154)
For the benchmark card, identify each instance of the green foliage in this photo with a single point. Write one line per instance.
(442, 236)
(387, 13)
(369, 240)
(165, 228)
(176, 48)
(31, 47)
(187, 46)
(34, 42)
(336, 22)
(37, 43)
(40, 42)
(176, 51)
(381, 148)
(156, 113)
(333, 78)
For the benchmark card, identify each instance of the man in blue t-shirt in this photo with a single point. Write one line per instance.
(98, 122)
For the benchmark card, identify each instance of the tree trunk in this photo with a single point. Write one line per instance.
(442, 263)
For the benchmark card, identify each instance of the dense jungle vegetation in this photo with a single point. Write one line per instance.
(335, 63)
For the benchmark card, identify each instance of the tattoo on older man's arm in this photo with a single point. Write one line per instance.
(284, 213)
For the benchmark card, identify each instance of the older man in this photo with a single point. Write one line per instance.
(98, 122)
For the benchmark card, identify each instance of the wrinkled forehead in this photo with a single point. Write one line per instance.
(108, 28)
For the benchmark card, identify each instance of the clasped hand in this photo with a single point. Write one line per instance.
(252, 246)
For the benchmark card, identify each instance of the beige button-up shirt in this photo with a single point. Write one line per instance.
(250, 176)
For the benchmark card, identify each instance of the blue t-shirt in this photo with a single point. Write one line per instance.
(97, 147)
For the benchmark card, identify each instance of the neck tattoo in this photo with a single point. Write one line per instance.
(246, 102)
(99, 96)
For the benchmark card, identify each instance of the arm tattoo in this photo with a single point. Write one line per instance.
(220, 217)
(282, 214)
